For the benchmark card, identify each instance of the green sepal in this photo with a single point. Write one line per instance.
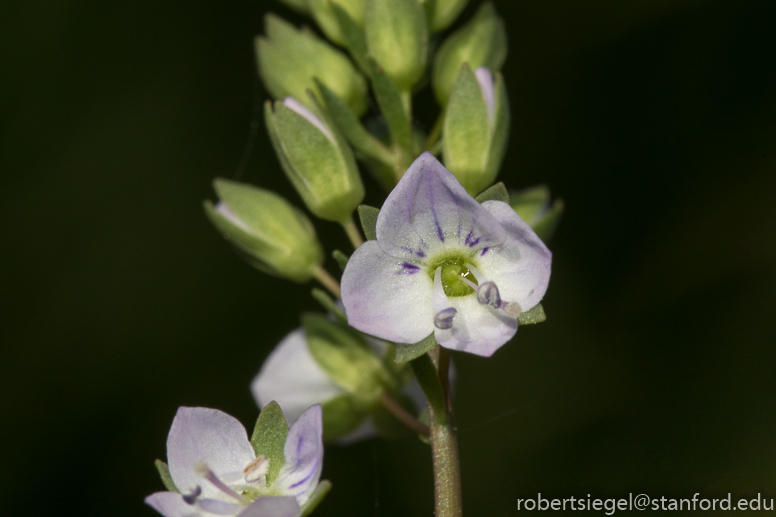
(327, 303)
(497, 192)
(341, 259)
(545, 227)
(341, 415)
(441, 13)
(324, 14)
(347, 121)
(164, 473)
(389, 100)
(387, 424)
(406, 353)
(368, 217)
(269, 438)
(533, 207)
(346, 357)
(353, 36)
(316, 497)
(535, 315)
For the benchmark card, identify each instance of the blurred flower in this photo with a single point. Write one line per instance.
(215, 468)
(445, 264)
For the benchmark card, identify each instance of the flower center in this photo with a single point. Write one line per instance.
(454, 273)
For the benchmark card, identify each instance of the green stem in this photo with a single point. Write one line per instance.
(444, 444)
(436, 132)
(328, 281)
(353, 234)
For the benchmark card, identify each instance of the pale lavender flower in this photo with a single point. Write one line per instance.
(215, 468)
(446, 264)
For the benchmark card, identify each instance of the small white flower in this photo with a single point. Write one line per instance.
(446, 264)
(215, 468)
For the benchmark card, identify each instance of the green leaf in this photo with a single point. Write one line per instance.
(497, 192)
(341, 258)
(406, 353)
(340, 416)
(347, 121)
(368, 216)
(535, 315)
(390, 102)
(317, 496)
(269, 438)
(164, 473)
(325, 300)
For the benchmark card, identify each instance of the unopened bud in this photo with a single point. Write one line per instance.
(476, 128)
(441, 13)
(324, 14)
(481, 43)
(269, 232)
(289, 60)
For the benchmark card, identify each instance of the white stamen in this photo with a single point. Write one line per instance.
(488, 294)
(444, 313)
(256, 469)
(203, 470)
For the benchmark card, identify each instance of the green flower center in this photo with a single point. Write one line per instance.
(454, 269)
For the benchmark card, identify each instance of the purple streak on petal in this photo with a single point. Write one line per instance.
(474, 242)
(304, 454)
(409, 269)
(468, 237)
(484, 251)
(420, 254)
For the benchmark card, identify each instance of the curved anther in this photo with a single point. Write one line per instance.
(444, 318)
(191, 499)
(488, 294)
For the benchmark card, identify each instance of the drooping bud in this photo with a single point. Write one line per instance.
(289, 60)
(534, 207)
(316, 159)
(324, 14)
(271, 234)
(441, 13)
(476, 128)
(397, 38)
(482, 43)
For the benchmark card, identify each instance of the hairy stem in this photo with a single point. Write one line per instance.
(328, 281)
(352, 231)
(403, 415)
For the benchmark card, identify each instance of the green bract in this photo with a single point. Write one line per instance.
(316, 159)
(323, 12)
(476, 128)
(397, 38)
(289, 60)
(271, 234)
(441, 13)
(481, 42)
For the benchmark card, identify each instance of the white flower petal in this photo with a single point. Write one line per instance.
(521, 266)
(209, 435)
(429, 211)
(477, 329)
(281, 506)
(303, 452)
(171, 504)
(291, 377)
(387, 297)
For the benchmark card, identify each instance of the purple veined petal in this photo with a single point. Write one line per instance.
(272, 506)
(383, 299)
(428, 211)
(521, 266)
(171, 504)
(488, 88)
(291, 377)
(303, 452)
(477, 329)
(209, 435)
(216, 507)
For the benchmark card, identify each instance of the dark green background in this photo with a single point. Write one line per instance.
(653, 119)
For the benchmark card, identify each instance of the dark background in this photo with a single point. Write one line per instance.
(653, 119)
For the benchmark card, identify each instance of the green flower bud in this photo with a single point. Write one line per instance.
(534, 207)
(290, 59)
(476, 128)
(316, 159)
(323, 12)
(397, 38)
(441, 13)
(269, 232)
(481, 42)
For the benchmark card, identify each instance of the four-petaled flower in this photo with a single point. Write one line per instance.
(446, 264)
(215, 468)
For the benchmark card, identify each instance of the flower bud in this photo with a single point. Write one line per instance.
(269, 232)
(534, 207)
(481, 42)
(441, 13)
(316, 159)
(290, 59)
(397, 38)
(323, 12)
(476, 128)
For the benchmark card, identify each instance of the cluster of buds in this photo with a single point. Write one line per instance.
(451, 259)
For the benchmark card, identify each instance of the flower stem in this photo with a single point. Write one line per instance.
(436, 132)
(328, 281)
(403, 415)
(353, 234)
(444, 444)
